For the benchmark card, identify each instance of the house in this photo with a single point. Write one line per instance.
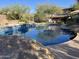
(67, 10)
(55, 18)
(75, 12)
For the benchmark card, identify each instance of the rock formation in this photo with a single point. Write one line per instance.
(14, 47)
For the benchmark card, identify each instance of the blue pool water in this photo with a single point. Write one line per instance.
(47, 35)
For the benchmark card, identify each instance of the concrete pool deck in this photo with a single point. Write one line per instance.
(67, 50)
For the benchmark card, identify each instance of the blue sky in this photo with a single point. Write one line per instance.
(34, 3)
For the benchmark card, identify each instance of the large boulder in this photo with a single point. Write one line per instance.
(14, 47)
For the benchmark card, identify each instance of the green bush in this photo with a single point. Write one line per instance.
(14, 12)
(43, 10)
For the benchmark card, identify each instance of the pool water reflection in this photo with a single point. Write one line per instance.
(47, 35)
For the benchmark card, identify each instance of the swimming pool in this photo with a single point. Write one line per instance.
(47, 35)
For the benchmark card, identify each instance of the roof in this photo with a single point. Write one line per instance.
(57, 15)
(74, 12)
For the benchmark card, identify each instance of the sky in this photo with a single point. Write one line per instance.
(33, 3)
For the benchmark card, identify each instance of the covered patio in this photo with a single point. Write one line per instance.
(57, 18)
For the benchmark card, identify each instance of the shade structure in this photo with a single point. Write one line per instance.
(75, 12)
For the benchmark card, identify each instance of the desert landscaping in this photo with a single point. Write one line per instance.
(39, 29)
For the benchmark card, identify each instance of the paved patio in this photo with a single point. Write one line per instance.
(67, 50)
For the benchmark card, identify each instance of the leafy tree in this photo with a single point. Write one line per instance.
(15, 12)
(49, 9)
(74, 16)
(26, 17)
(45, 9)
(39, 17)
(75, 6)
(4, 11)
